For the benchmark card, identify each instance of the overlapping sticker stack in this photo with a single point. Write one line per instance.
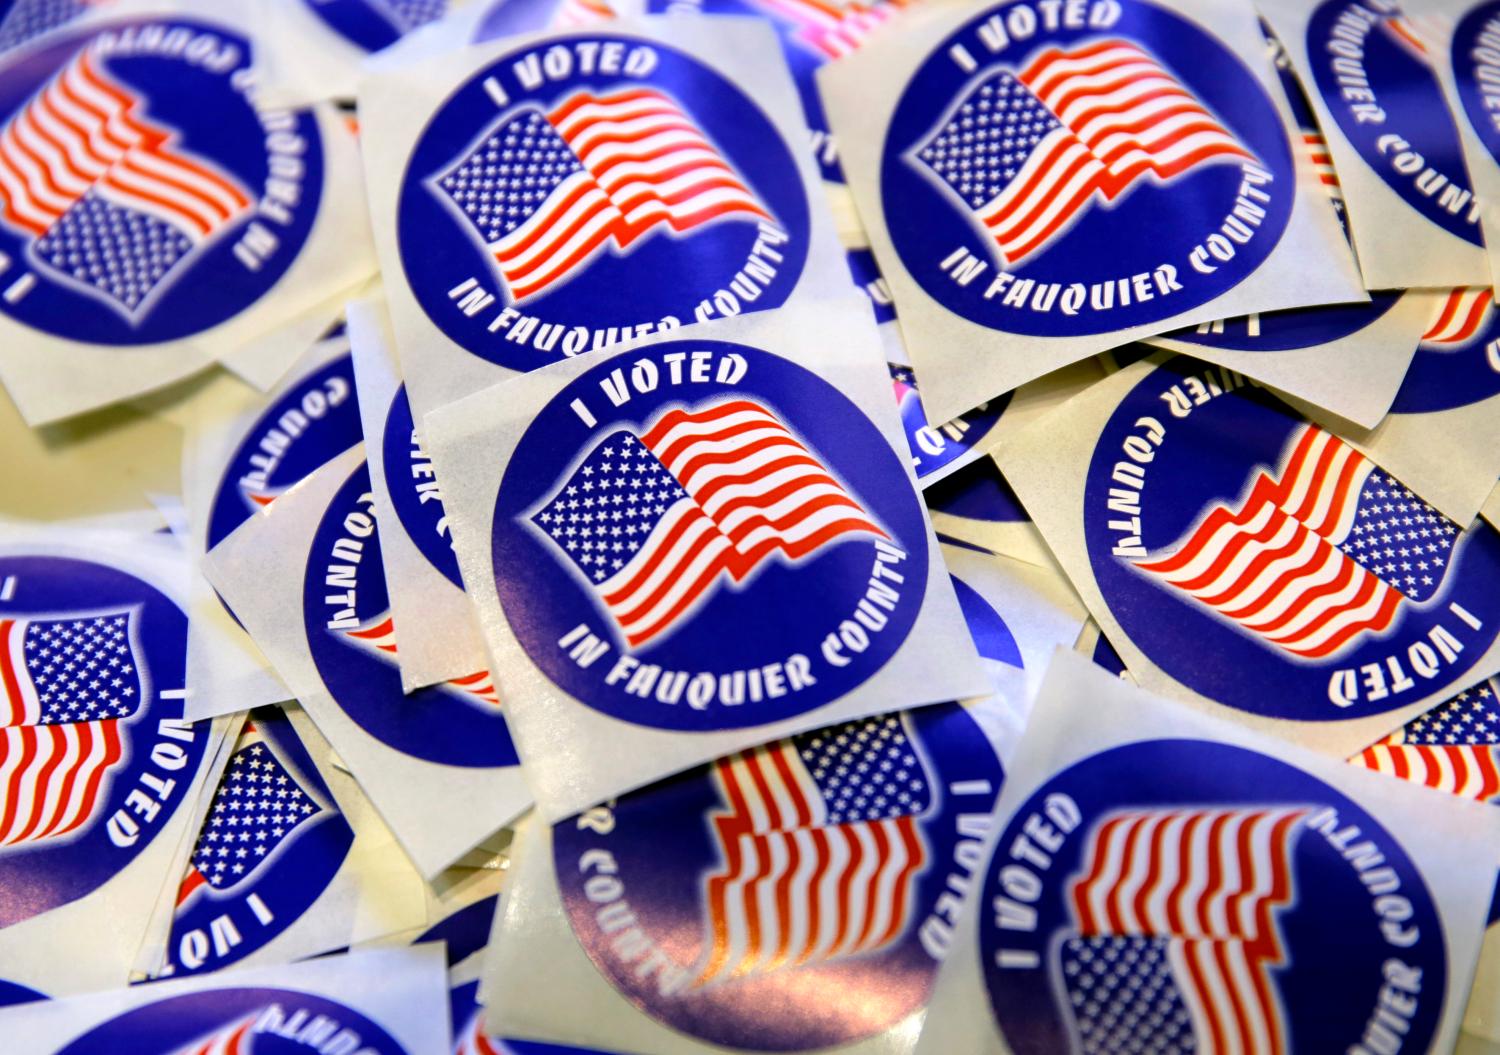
(661, 527)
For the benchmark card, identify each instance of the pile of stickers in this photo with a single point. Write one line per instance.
(466, 586)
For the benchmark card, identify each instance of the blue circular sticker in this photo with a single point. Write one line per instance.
(95, 757)
(375, 24)
(317, 419)
(593, 189)
(976, 492)
(1283, 331)
(1375, 77)
(1476, 68)
(1458, 362)
(935, 447)
(703, 535)
(760, 884)
(1014, 204)
(263, 1021)
(812, 33)
(414, 491)
(1226, 534)
(350, 634)
(146, 198)
(272, 842)
(1182, 895)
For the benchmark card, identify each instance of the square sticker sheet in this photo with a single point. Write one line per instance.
(1019, 235)
(100, 774)
(242, 450)
(687, 548)
(750, 888)
(307, 580)
(1452, 748)
(439, 636)
(1212, 530)
(106, 292)
(1159, 877)
(1373, 83)
(495, 265)
(284, 860)
(384, 1002)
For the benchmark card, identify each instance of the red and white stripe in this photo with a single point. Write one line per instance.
(53, 777)
(379, 634)
(794, 890)
(473, 1040)
(1405, 33)
(1124, 119)
(581, 13)
(754, 491)
(20, 704)
(1463, 313)
(1322, 159)
(651, 161)
(1211, 880)
(1470, 771)
(575, 222)
(230, 1040)
(1273, 567)
(84, 132)
(832, 29)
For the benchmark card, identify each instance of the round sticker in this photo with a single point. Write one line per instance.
(92, 739)
(316, 419)
(272, 842)
(1283, 331)
(173, 208)
(351, 636)
(811, 35)
(705, 536)
(1374, 75)
(265, 1021)
(760, 884)
(935, 447)
(413, 487)
(375, 24)
(1458, 362)
(1013, 208)
(1181, 895)
(1476, 69)
(1226, 535)
(527, 232)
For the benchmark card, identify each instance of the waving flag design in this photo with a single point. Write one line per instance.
(257, 807)
(545, 191)
(32, 18)
(830, 28)
(820, 847)
(106, 197)
(472, 1039)
(1028, 152)
(68, 682)
(582, 13)
(1311, 561)
(1462, 314)
(379, 635)
(655, 522)
(407, 15)
(1177, 934)
(233, 1039)
(1451, 748)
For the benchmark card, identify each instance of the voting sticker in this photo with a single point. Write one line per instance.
(523, 238)
(95, 757)
(372, 25)
(414, 489)
(1015, 207)
(350, 636)
(651, 507)
(271, 844)
(21, 20)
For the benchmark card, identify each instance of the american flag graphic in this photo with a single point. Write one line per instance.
(106, 198)
(379, 635)
(472, 1040)
(407, 15)
(1462, 314)
(257, 807)
(545, 191)
(1322, 159)
(654, 522)
(1177, 934)
(1312, 560)
(68, 683)
(32, 18)
(233, 1039)
(819, 847)
(829, 28)
(1405, 33)
(1028, 152)
(1451, 748)
(571, 13)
